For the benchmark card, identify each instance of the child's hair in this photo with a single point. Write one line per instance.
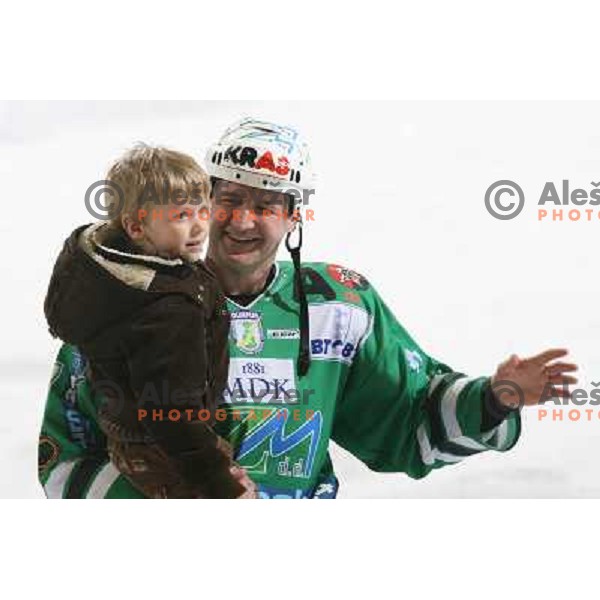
(153, 176)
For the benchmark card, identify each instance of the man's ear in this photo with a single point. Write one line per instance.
(133, 228)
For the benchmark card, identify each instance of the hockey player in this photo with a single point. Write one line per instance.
(315, 355)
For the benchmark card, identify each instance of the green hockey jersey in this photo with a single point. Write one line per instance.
(370, 388)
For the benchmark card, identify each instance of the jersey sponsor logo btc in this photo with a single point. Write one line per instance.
(336, 330)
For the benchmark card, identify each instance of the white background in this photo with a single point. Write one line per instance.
(400, 199)
(514, 49)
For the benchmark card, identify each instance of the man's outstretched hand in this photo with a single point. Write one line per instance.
(528, 381)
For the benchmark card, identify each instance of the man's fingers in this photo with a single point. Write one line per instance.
(548, 355)
(562, 379)
(560, 367)
(557, 392)
(512, 361)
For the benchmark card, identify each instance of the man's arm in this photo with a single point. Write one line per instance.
(403, 411)
(72, 457)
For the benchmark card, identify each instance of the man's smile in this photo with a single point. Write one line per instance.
(239, 244)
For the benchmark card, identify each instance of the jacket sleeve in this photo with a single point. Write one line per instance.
(403, 411)
(72, 457)
(168, 355)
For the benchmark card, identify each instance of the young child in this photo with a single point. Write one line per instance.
(134, 296)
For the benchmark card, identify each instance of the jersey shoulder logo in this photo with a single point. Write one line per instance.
(348, 278)
(48, 452)
(414, 360)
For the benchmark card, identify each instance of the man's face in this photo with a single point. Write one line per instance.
(247, 225)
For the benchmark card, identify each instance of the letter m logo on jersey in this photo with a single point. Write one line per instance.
(275, 437)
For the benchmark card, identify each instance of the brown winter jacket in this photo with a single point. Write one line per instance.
(155, 334)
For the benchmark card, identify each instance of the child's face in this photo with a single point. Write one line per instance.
(176, 231)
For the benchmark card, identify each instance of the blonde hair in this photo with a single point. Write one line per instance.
(156, 175)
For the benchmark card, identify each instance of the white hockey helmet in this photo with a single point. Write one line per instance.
(263, 155)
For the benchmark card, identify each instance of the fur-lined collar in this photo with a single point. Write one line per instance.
(114, 253)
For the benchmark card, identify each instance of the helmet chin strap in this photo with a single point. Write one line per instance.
(304, 353)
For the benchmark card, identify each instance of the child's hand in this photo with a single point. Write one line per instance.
(241, 475)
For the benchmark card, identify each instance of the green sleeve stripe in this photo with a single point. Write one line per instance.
(430, 454)
(506, 434)
(446, 392)
(56, 483)
(449, 406)
(440, 383)
(82, 476)
(460, 447)
(103, 481)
